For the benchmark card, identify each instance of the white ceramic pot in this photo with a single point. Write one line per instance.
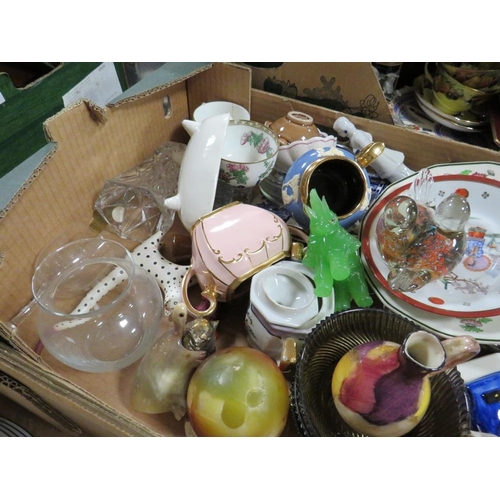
(199, 169)
(268, 336)
(284, 296)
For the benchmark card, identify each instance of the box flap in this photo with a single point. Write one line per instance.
(18, 179)
(348, 87)
(168, 74)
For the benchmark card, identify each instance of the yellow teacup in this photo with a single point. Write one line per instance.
(449, 95)
(481, 76)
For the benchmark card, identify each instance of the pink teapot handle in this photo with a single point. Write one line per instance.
(208, 293)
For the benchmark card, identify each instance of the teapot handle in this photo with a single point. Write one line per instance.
(370, 153)
(288, 355)
(209, 293)
(427, 73)
(459, 350)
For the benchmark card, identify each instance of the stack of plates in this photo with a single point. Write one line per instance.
(11, 429)
(467, 301)
(464, 122)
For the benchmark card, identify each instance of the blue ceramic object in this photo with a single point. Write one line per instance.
(485, 403)
(340, 179)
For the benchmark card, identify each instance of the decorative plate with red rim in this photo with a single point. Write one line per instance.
(472, 289)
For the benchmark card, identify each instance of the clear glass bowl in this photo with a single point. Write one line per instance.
(98, 311)
(312, 404)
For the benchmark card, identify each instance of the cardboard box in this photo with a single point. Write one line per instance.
(90, 145)
(351, 88)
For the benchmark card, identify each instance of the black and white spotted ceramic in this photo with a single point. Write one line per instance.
(167, 274)
(146, 255)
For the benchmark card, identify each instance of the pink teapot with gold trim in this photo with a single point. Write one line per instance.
(230, 245)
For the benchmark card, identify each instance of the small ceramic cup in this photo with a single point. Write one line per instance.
(295, 126)
(337, 175)
(230, 245)
(212, 108)
(249, 153)
(451, 96)
(481, 76)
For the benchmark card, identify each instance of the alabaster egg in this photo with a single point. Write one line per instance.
(238, 392)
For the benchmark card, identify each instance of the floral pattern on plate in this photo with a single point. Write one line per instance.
(469, 294)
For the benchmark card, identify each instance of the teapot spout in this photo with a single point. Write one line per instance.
(434, 356)
(173, 203)
(190, 126)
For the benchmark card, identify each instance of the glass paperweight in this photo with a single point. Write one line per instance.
(420, 244)
(132, 203)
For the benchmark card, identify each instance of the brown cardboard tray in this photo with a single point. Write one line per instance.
(92, 145)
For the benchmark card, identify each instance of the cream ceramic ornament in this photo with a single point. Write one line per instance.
(389, 165)
(162, 377)
(199, 169)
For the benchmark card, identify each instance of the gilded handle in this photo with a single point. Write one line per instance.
(370, 153)
(209, 293)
